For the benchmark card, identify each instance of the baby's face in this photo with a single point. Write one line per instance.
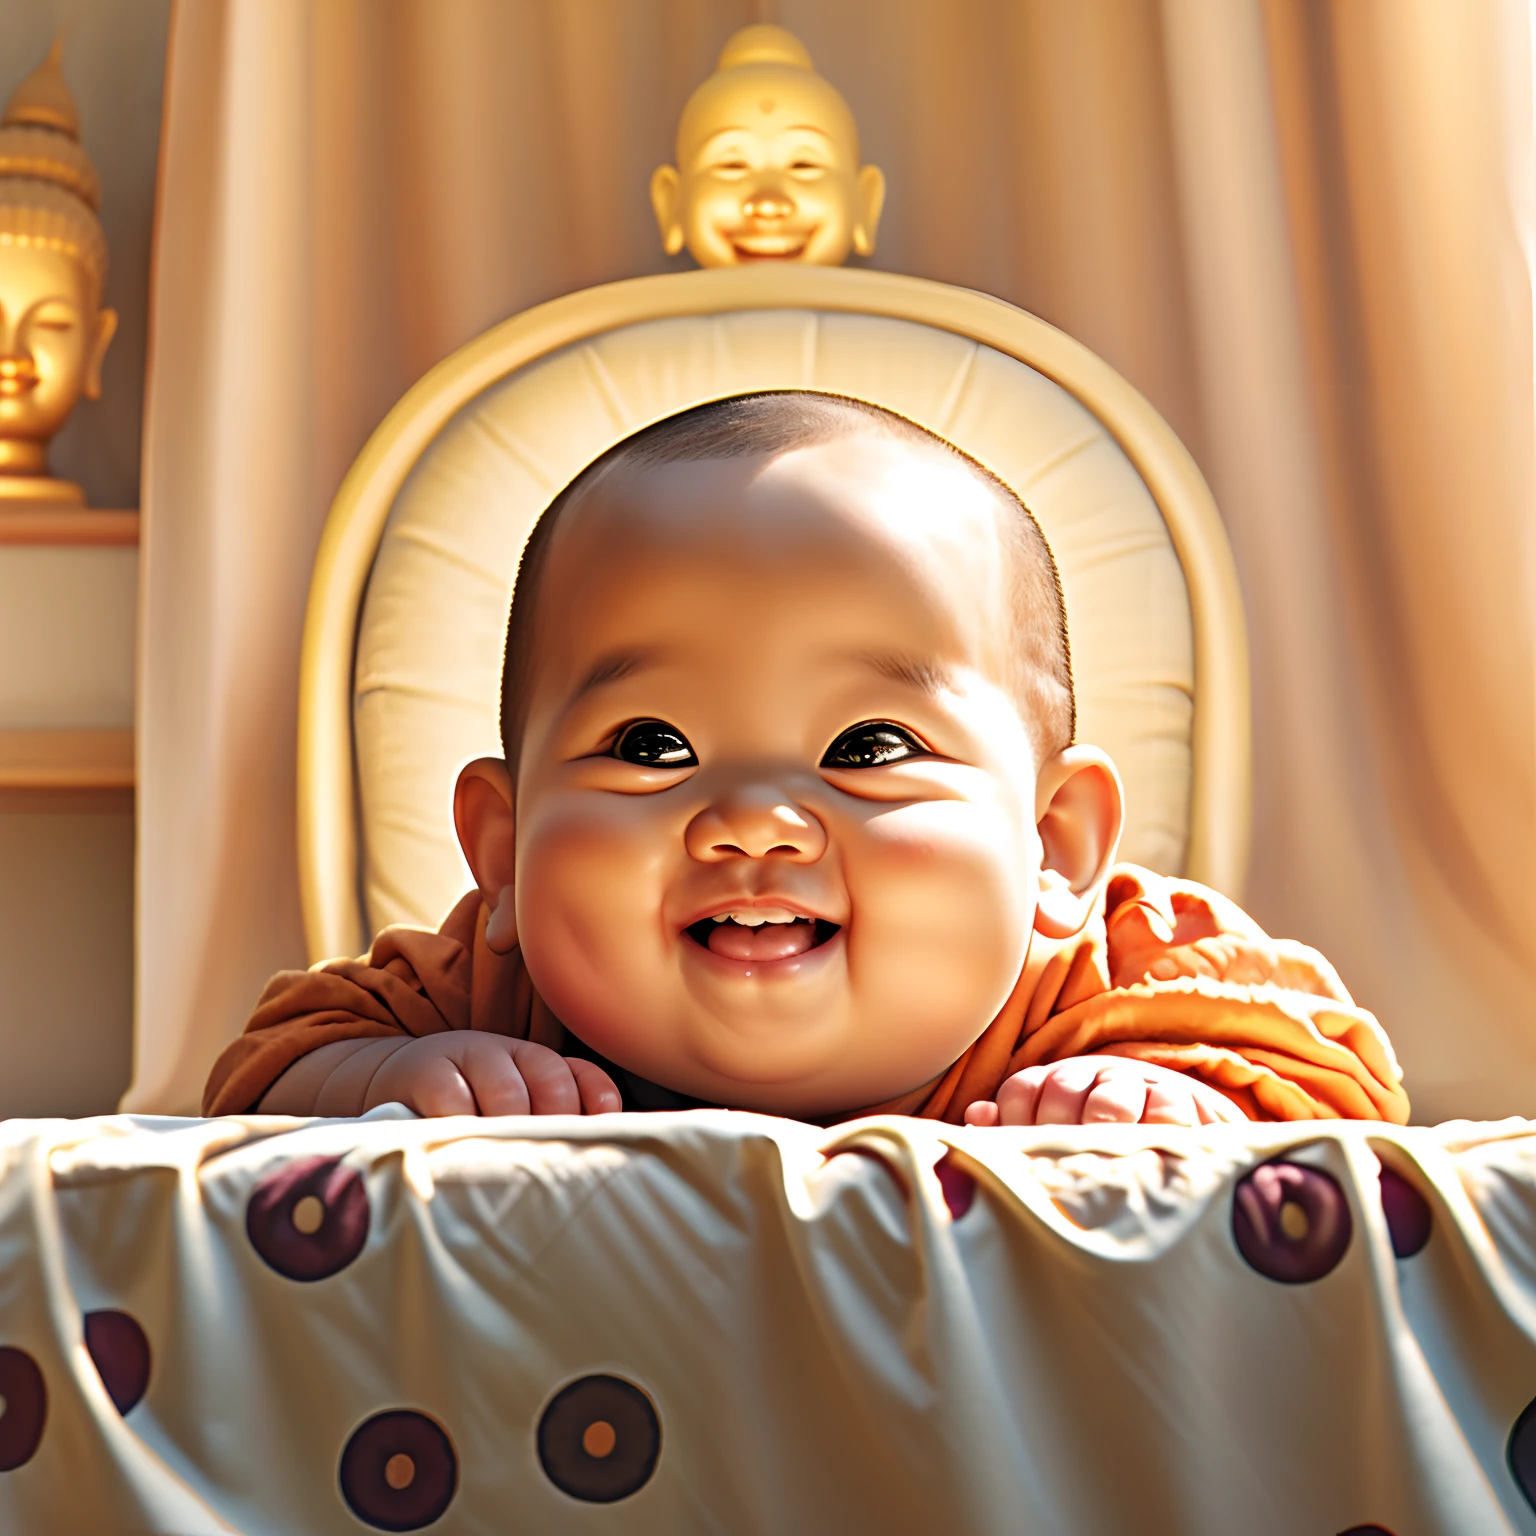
(775, 804)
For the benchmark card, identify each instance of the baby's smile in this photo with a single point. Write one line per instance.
(761, 937)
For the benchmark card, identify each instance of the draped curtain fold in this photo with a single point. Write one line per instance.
(1303, 229)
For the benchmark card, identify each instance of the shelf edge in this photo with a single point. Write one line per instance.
(71, 761)
(62, 526)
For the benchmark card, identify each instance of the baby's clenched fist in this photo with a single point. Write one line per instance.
(469, 1072)
(1100, 1090)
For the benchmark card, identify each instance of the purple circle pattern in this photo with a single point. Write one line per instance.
(636, 1445)
(120, 1353)
(959, 1186)
(343, 1226)
(1521, 1452)
(1407, 1212)
(1259, 1224)
(364, 1478)
(26, 1407)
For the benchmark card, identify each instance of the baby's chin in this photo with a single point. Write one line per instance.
(750, 1054)
(797, 1065)
(800, 1037)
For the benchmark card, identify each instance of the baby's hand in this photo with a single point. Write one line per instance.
(1097, 1090)
(468, 1072)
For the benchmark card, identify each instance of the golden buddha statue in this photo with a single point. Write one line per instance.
(53, 264)
(767, 163)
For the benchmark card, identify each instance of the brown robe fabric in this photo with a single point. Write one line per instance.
(1168, 972)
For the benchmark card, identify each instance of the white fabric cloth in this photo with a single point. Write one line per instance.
(1041, 1331)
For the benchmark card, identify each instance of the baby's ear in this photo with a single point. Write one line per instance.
(482, 816)
(1080, 811)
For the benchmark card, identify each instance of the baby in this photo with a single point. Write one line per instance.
(791, 819)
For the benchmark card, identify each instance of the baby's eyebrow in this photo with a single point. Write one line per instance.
(915, 671)
(611, 668)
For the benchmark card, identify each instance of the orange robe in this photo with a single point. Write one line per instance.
(1167, 972)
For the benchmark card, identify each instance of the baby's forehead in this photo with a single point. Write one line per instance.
(867, 533)
(869, 486)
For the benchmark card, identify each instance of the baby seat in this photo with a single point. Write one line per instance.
(408, 607)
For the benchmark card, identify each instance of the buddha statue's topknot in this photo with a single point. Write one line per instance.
(49, 188)
(764, 44)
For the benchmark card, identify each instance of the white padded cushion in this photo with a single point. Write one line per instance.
(429, 649)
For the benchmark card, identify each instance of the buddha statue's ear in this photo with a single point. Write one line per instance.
(106, 329)
(870, 201)
(666, 199)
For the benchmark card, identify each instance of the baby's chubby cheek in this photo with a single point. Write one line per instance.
(943, 903)
(591, 872)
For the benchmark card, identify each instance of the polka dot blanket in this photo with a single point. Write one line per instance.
(728, 1323)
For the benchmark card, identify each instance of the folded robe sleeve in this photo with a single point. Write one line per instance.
(410, 983)
(1174, 974)
(1168, 972)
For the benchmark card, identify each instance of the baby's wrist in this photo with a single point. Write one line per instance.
(332, 1080)
(347, 1089)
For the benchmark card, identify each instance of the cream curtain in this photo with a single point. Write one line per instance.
(1304, 230)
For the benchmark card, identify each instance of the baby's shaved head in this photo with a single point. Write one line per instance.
(765, 425)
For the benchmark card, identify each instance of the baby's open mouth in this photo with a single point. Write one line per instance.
(760, 933)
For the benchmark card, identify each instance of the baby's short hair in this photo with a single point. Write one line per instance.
(751, 426)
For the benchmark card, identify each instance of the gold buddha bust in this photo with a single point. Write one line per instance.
(53, 264)
(767, 163)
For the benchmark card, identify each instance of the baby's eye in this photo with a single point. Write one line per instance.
(654, 744)
(871, 745)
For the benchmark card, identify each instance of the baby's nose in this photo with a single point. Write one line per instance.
(768, 203)
(754, 823)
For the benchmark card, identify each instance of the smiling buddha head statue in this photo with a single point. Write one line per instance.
(767, 163)
(53, 263)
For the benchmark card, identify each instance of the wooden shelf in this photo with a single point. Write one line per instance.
(67, 525)
(66, 770)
